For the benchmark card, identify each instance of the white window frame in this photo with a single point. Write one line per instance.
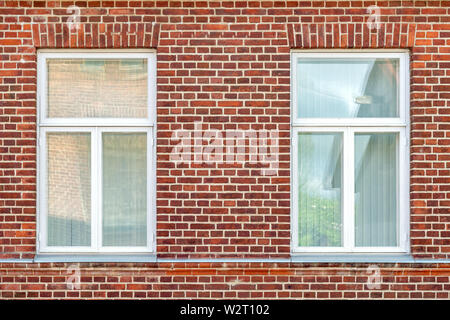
(348, 127)
(96, 127)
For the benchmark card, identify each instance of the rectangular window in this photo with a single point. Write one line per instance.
(96, 151)
(350, 159)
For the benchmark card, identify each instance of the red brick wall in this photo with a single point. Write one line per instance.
(226, 64)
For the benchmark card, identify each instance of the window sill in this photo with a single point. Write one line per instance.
(95, 258)
(352, 258)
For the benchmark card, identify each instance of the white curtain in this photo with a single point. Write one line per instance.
(83, 88)
(375, 189)
(124, 189)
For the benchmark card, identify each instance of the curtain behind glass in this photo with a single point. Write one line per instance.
(319, 165)
(124, 189)
(69, 189)
(85, 88)
(375, 189)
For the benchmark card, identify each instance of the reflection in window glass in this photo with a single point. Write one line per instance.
(69, 189)
(347, 88)
(319, 166)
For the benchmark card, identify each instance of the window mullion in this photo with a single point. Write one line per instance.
(348, 190)
(99, 184)
(351, 186)
(94, 188)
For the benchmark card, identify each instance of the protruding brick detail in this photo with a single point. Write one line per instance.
(96, 35)
(350, 35)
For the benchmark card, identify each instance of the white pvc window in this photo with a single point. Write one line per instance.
(350, 160)
(96, 151)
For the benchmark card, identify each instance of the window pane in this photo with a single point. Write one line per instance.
(90, 88)
(347, 88)
(319, 164)
(69, 189)
(376, 189)
(124, 189)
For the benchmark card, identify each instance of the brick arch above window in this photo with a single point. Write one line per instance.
(351, 35)
(96, 35)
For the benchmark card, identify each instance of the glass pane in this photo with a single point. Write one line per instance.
(376, 189)
(319, 167)
(69, 189)
(90, 88)
(347, 88)
(124, 189)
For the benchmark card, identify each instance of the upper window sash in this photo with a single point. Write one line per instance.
(403, 92)
(104, 55)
